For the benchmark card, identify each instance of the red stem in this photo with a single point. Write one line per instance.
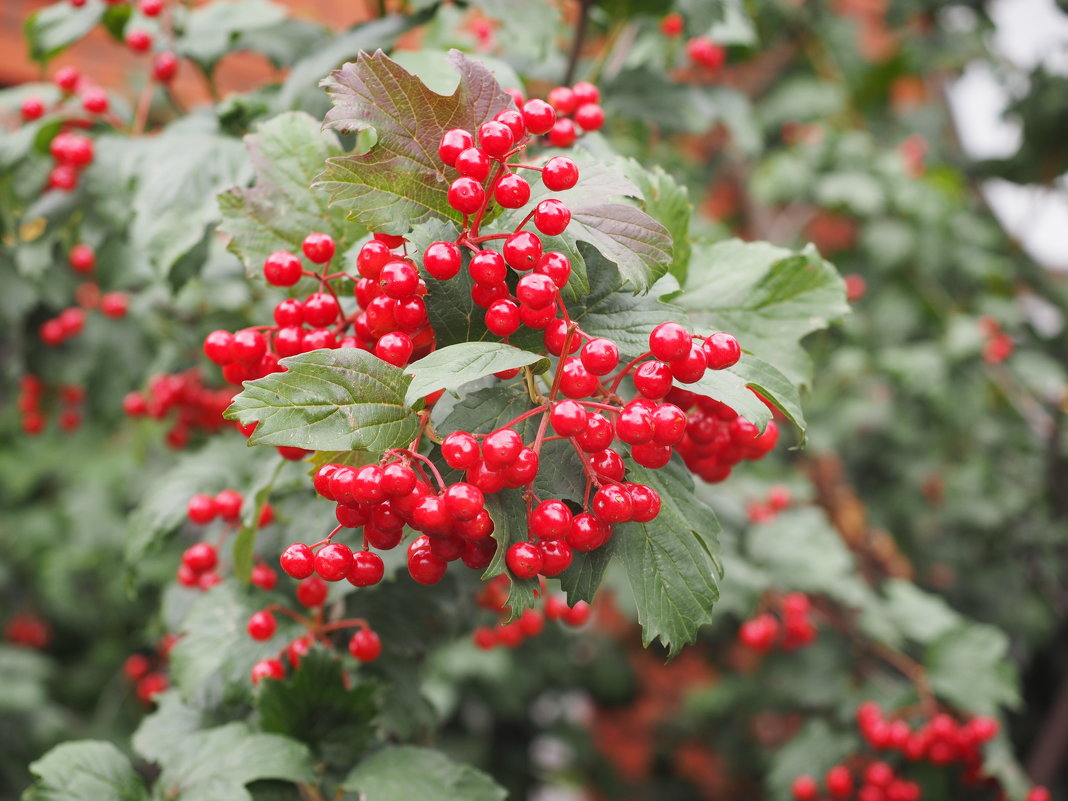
(629, 366)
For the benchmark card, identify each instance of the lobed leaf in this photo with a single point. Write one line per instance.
(406, 772)
(85, 770)
(455, 365)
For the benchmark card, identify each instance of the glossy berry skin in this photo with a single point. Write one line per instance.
(653, 379)
(500, 449)
(319, 247)
(550, 520)
(398, 479)
(229, 503)
(691, 367)
(589, 117)
(598, 433)
(839, 782)
(538, 116)
(556, 556)
(219, 347)
(200, 557)
(488, 268)
(568, 418)
(523, 470)
(365, 645)
(201, 509)
(399, 279)
(261, 626)
(600, 356)
(474, 163)
(564, 133)
(514, 120)
(559, 173)
(805, 788)
(442, 260)
(551, 217)
(366, 569)
(502, 317)
(333, 561)
(373, 256)
(512, 191)
(268, 669)
(282, 268)
(312, 591)
(460, 450)
(562, 99)
(453, 143)
(495, 138)
(612, 504)
(425, 567)
(298, 561)
(395, 348)
(607, 464)
(721, 351)
(485, 295)
(524, 559)
(164, 67)
(536, 291)
(522, 251)
(587, 533)
(556, 266)
(463, 501)
(320, 310)
(670, 342)
(576, 381)
(466, 195)
(585, 92)
(645, 503)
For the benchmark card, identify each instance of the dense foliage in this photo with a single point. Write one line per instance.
(475, 412)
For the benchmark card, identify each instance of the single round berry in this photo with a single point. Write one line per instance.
(672, 25)
(759, 633)
(559, 173)
(150, 8)
(395, 348)
(645, 503)
(600, 356)
(522, 250)
(563, 134)
(839, 781)
(524, 559)
(229, 503)
(523, 470)
(502, 317)
(460, 450)
(653, 379)
(298, 561)
(495, 138)
(556, 339)
(201, 509)
(261, 626)
(219, 347)
(32, 109)
(164, 67)
(514, 120)
(576, 381)
(562, 99)
(399, 479)
(500, 449)
(589, 117)
(512, 192)
(556, 266)
(612, 504)
(282, 268)
(442, 260)
(707, 54)
(474, 163)
(425, 567)
(550, 520)
(586, 92)
(598, 433)
(587, 533)
(320, 309)
(651, 455)
(140, 41)
(536, 291)
(538, 116)
(463, 501)
(805, 788)
(333, 561)
(551, 217)
(249, 346)
(577, 614)
(670, 342)
(556, 556)
(466, 195)
(488, 268)
(721, 351)
(366, 569)
(568, 418)
(264, 578)
(485, 295)
(200, 557)
(400, 279)
(453, 143)
(268, 669)
(67, 78)
(312, 591)
(373, 256)
(365, 645)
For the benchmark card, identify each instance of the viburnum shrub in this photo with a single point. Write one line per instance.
(427, 409)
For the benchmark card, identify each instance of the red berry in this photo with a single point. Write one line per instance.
(551, 216)
(759, 633)
(502, 317)
(268, 669)
(114, 304)
(598, 433)
(463, 501)
(514, 120)
(522, 250)
(454, 142)
(201, 509)
(670, 342)
(333, 561)
(460, 450)
(523, 470)
(263, 577)
(587, 533)
(538, 116)
(365, 645)
(495, 138)
(563, 134)
(320, 310)
(442, 260)
(319, 247)
(298, 561)
(635, 424)
(474, 163)
(612, 504)
(805, 788)
(398, 479)
(568, 418)
(550, 520)
(67, 78)
(536, 291)
(607, 464)
(586, 92)
(95, 100)
(138, 40)
(150, 8)
(645, 503)
(229, 502)
(262, 625)
(839, 781)
(466, 195)
(590, 117)
(395, 348)
(653, 379)
(164, 67)
(672, 25)
(577, 614)
(501, 448)
(282, 268)
(706, 53)
(200, 557)
(559, 173)
(576, 381)
(512, 192)
(721, 351)
(556, 557)
(82, 258)
(425, 567)
(562, 99)
(556, 266)
(32, 109)
(524, 559)
(366, 570)
(312, 591)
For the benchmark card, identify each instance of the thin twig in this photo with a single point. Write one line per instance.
(576, 43)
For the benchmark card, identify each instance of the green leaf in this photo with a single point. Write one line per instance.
(317, 707)
(508, 510)
(666, 202)
(638, 245)
(401, 181)
(768, 297)
(287, 152)
(245, 541)
(728, 387)
(405, 772)
(85, 770)
(455, 365)
(812, 751)
(164, 730)
(968, 666)
(919, 615)
(343, 399)
(52, 29)
(213, 30)
(672, 561)
(23, 676)
(583, 578)
(219, 762)
(774, 386)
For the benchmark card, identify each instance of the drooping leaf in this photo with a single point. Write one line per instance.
(245, 541)
(774, 386)
(583, 578)
(768, 297)
(51, 29)
(85, 770)
(287, 152)
(671, 562)
(638, 245)
(316, 707)
(401, 181)
(455, 365)
(728, 387)
(164, 730)
(218, 763)
(343, 399)
(213, 30)
(967, 666)
(405, 772)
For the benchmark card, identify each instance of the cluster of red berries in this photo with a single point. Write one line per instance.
(877, 781)
(578, 109)
(71, 321)
(364, 644)
(199, 561)
(796, 629)
(494, 597)
(27, 630)
(717, 438)
(701, 50)
(67, 324)
(777, 500)
(147, 672)
(382, 499)
(999, 345)
(29, 404)
(195, 406)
